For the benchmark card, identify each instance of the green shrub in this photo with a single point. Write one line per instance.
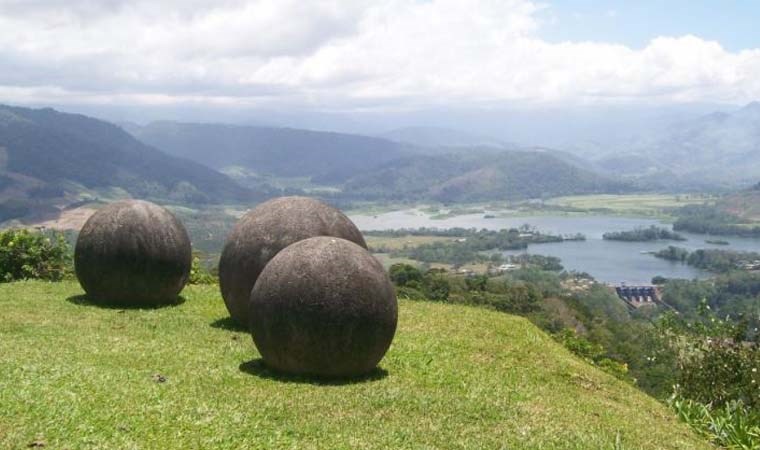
(409, 293)
(436, 285)
(26, 254)
(718, 360)
(718, 376)
(731, 425)
(404, 274)
(200, 274)
(593, 353)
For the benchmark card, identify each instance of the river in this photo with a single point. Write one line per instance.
(607, 261)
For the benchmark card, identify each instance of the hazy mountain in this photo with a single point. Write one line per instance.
(374, 168)
(722, 149)
(287, 152)
(45, 154)
(437, 138)
(480, 177)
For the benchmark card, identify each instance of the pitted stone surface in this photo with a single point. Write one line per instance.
(133, 252)
(262, 233)
(323, 306)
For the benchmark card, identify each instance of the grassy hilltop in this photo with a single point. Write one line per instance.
(74, 375)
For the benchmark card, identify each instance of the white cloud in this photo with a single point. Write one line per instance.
(342, 55)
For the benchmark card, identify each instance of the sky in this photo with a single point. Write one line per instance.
(359, 56)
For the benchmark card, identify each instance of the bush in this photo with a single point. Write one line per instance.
(403, 274)
(199, 274)
(593, 353)
(732, 425)
(26, 254)
(436, 285)
(409, 293)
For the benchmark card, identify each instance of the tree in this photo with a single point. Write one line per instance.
(405, 274)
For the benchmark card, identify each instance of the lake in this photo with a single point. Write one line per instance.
(607, 261)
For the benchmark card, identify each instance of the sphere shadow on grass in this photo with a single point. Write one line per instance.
(229, 324)
(258, 368)
(85, 300)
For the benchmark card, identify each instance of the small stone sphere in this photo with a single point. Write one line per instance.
(133, 252)
(325, 307)
(262, 233)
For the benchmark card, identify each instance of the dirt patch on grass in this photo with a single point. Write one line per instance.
(69, 219)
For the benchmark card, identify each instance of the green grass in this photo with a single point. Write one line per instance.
(630, 204)
(74, 375)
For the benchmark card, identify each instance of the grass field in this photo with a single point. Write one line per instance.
(397, 243)
(634, 204)
(74, 375)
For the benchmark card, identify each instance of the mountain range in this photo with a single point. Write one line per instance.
(721, 149)
(284, 152)
(54, 158)
(416, 168)
(51, 157)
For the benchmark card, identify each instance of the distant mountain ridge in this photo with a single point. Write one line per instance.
(288, 152)
(368, 168)
(48, 157)
(507, 175)
(46, 154)
(719, 149)
(446, 138)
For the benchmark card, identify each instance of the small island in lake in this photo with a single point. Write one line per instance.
(652, 233)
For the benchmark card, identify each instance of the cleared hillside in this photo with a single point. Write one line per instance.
(73, 375)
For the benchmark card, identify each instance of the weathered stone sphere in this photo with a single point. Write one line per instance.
(133, 252)
(263, 232)
(323, 306)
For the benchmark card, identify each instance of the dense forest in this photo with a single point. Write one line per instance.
(708, 219)
(652, 233)
(714, 260)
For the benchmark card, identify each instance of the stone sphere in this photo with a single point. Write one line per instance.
(133, 252)
(324, 306)
(262, 233)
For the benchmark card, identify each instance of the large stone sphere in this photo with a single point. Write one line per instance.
(133, 252)
(324, 306)
(262, 233)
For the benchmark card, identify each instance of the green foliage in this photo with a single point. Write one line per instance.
(714, 260)
(26, 254)
(514, 298)
(731, 426)
(708, 219)
(592, 353)
(718, 359)
(505, 295)
(673, 253)
(550, 263)
(436, 285)
(721, 261)
(653, 233)
(476, 283)
(734, 295)
(404, 274)
(199, 274)
(471, 245)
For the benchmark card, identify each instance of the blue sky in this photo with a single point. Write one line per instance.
(735, 24)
